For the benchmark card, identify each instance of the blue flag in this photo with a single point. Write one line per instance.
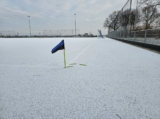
(60, 46)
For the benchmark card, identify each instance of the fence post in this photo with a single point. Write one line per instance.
(159, 33)
(134, 35)
(123, 34)
(145, 36)
(129, 19)
(116, 34)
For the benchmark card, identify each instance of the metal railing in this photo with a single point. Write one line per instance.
(149, 36)
(126, 23)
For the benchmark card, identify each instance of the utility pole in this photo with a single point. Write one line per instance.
(75, 25)
(29, 25)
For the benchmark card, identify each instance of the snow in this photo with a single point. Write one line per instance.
(120, 81)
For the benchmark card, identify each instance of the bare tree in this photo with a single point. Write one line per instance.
(149, 16)
(134, 19)
(149, 2)
(111, 21)
(129, 17)
(107, 22)
(149, 12)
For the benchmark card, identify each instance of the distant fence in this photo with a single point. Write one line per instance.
(8, 33)
(68, 32)
(44, 33)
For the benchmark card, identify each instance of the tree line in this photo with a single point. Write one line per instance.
(146, 16)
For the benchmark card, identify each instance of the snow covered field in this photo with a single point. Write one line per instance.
(120, 81)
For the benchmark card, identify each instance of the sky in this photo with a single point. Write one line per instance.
(56, 15)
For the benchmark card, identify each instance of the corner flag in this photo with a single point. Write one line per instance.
(60, 46)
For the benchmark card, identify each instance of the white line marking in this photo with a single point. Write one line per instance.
(7, 65)
(82, 52)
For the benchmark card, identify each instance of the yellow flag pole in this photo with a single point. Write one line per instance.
(64, 52)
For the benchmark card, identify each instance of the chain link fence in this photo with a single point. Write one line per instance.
(48, 33)
(149, 36)
(8, 33)
(128, 26)
(66, 33)
(120, 25)
(44, 33)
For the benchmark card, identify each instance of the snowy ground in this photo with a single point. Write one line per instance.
(120, 81)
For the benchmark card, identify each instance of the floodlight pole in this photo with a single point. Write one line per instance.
(136, 15)
(129, 18)
(29, 24)
(75, 25)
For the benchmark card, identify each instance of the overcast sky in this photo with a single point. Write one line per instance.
(56, 14)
